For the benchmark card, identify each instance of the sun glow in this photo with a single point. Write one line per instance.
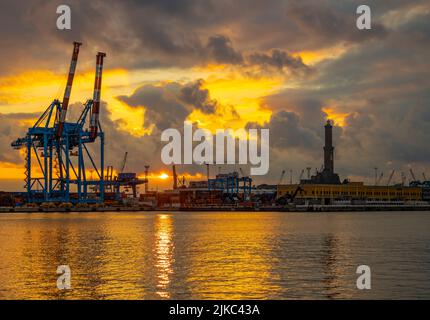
(239, 99)
(336, 116)
(315, 56)
(163, 176)
(33, 91)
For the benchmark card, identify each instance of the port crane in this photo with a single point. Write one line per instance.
(282, 177)
(390, 177)
(124, 161)
(301, 175)
(403, 178)
(289, 198)
(380, 178)
(412, 174)
(57, 152)
(308, 169)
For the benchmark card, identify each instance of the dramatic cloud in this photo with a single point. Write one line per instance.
(162, 107)
(279, 60)
(13, 126)
(195, 96)
(168, 105)
(221, 49)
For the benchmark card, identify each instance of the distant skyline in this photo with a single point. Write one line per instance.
(283, 65)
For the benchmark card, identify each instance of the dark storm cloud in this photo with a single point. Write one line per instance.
(220, 47)
(12, 127)
(321, 20)
(147, 34)
(162, 107)
(287, 131)
(195, 96)
(279, 60)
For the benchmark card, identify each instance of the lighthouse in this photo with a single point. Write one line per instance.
(328, 148)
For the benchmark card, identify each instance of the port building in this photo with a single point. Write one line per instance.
(352, 191)
(325, 186)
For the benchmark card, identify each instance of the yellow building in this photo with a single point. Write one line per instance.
(327, 193)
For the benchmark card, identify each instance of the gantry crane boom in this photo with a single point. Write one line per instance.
(282, 176)
(68, 90)
(94, 121)
(391, 177)
(412, 174)
(380, 178)
(301, 175)
(124, 161)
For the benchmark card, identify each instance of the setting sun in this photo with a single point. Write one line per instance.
(163, 176)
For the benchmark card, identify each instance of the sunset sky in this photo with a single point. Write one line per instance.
(278, 64)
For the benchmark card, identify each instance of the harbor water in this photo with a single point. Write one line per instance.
(215, 255)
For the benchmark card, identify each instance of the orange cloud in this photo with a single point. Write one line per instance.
(311, 57)
(336, 116)
(245, 94)
(33, 91)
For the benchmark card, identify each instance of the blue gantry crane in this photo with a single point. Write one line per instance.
(57, 153)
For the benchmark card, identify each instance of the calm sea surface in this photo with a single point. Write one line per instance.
(215, 255)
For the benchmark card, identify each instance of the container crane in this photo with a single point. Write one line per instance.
(301, 175)
(94, 122)
(124, 161)
(390, 177)
(379, 179)
(49, 178)
(282, 177)
(412, 174)
(289, 198)
(68, 90)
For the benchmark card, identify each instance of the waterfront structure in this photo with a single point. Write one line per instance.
(325, 187)
(352, 191)
(327, 175)
(425, 186)
(231, 184)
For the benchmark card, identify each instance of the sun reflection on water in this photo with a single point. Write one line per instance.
(164, 254)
